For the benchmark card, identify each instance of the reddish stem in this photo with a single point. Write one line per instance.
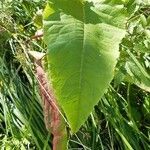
(53, 119)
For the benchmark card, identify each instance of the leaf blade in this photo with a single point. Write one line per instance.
(78, 54)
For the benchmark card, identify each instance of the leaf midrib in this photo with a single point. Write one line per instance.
(81, 65)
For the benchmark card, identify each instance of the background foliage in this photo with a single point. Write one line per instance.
(120, 121)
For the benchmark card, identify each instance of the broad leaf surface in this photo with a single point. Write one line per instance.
(83, 47)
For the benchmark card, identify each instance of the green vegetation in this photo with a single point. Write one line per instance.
(99, 31)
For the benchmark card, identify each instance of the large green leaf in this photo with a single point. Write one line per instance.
(82, 53)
